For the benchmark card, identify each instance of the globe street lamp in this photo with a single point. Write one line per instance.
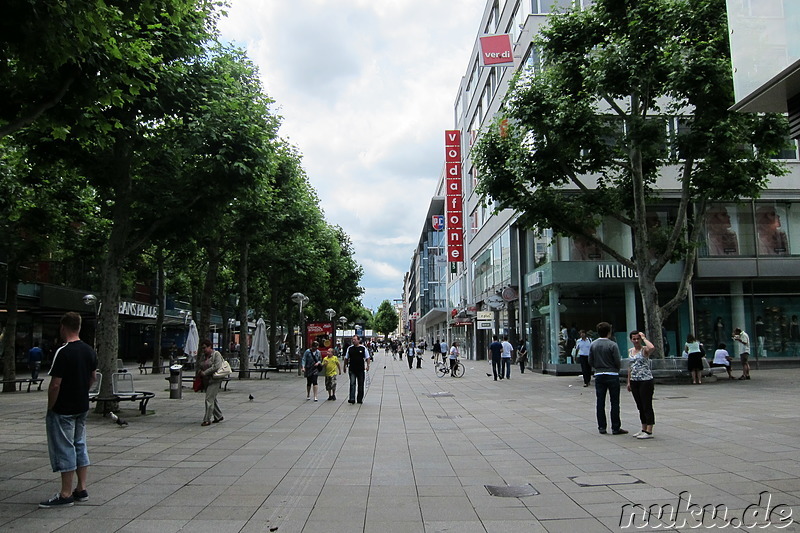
(343, 321)
(301, 299)
(91, 299)
(330, 312)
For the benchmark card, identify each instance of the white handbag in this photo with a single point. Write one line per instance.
(224, 371)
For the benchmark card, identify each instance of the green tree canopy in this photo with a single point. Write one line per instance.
(386, 319)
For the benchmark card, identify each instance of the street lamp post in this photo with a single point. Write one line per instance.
(343, 321)
(91, 299)
(330, 312)
(301, 299)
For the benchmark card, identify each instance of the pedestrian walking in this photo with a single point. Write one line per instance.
(211, 363)
(332, 368)
(436, 348)
(35, 355)
(606, 361)
(409, 349)
(582, 345)
(420, 352)
(71, 375)
(505, 358)
(496, 354)
(522, 356)
(743, 348)
(312, 363)
(641, 383)
(356, 362)
(454, 354)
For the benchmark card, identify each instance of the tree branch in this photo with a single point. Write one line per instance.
(37, 111)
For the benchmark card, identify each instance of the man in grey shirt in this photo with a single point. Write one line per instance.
(604, 357)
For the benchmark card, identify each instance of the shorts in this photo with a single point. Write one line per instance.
(311, 380)
(330, 382)
(66, 441)
(744, 357)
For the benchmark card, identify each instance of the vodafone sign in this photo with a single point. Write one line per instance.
(453, 208)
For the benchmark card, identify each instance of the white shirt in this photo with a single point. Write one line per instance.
(507, 349)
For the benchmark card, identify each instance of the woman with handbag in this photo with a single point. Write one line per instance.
(210, 365)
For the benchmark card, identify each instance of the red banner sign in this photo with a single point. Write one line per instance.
(496, 51)
(453, 208)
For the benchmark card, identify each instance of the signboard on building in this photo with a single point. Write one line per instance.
(485, 324)
(485, 315)
(453, 206)
(497, 50)
(437, 222)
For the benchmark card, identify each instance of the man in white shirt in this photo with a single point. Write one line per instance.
(743, 349)
(505, 358)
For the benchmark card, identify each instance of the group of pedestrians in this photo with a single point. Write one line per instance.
(501, 355)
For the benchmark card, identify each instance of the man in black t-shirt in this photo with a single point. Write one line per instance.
(71, 375)
(356, 361)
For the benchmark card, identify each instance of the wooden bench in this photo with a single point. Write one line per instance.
(29, 381)
(141, 396)
(190, 381)
(147, 368)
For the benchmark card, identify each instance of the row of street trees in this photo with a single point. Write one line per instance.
(585, 137)
(134, 146)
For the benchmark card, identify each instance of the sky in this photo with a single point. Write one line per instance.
(365, 90)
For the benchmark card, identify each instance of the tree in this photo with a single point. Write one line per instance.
(41, 208)
(587, 139)
(386, 319)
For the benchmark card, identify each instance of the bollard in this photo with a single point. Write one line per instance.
(175, 378)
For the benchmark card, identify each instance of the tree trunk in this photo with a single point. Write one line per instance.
(244, 352)
(212, 272)
(161, 295)
(10, 330)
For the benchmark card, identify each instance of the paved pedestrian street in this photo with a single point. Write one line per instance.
(418, 456)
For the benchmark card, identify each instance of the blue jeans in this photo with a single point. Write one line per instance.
(497, 368)
(357, 381)
(66, 441)
(603, 384)
(506, 367)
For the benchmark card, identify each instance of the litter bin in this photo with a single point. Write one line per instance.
(175, 378)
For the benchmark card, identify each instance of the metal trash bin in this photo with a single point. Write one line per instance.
(175, 378)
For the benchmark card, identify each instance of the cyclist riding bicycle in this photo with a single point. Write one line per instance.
(454, 353)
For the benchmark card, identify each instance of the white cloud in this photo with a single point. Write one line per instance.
(366, 90)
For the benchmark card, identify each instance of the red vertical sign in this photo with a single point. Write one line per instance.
(453, 209)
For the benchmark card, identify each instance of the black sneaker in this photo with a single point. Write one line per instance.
(80, 495)
(620, 432)
(57, 501)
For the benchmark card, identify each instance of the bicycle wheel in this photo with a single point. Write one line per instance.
(441, 370)
(458, 370)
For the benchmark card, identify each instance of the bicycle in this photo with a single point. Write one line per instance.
(443, 368)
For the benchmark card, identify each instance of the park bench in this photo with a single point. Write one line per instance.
(20, 381)
(122, 390)
(190, 381)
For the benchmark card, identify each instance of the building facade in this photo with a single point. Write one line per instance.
(540, 289)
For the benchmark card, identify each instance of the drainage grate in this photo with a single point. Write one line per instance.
(600, 480)
(673, 397)
(448, 416)
(439, 395)
(508, 491)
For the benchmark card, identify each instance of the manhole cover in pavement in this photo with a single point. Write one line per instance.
(440, 394)
(599, 480)
(507, 491)
(448, 416)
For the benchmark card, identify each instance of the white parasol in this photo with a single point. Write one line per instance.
(259, 349)
(192, 342)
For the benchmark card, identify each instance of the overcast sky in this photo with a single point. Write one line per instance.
(366, 90)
